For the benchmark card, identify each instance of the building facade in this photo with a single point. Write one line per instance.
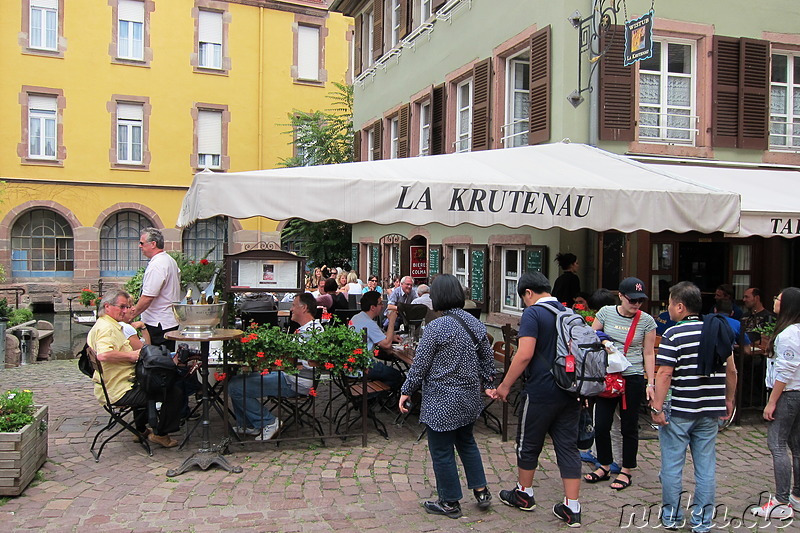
(110, 107)
(445, 76)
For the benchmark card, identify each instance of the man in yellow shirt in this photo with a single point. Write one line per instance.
(118, 358)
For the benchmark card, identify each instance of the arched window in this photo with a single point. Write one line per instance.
(204, 235)
(119, 244)
(41, 245)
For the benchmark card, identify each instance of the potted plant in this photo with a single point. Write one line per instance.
(338, 348)
(23, 439)
(265, 348)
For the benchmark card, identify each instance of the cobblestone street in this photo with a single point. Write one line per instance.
(307, 487)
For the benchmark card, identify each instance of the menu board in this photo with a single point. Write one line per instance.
(476, 278)
(264, 274)
(433, 261)
(535, 260)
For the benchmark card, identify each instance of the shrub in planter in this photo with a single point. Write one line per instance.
(23, 440)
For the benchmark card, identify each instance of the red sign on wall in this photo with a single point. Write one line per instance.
(419, 261)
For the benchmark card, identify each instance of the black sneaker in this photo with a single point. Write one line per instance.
(484, 498)
(566, 514)
(517, 498)
(440, 507)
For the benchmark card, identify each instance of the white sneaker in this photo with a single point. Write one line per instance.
(794, 501)
(774, 509)
(246, 431)
(269, 431)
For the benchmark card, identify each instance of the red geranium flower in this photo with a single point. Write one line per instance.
(245, 339)
(219, 376)
(312, 392)
(351, 359)
(329, 366)
(204, 261)
(259, 354)
(358, 351)
(578, 307)
(265, 372)
(278, 362)
(589, 319)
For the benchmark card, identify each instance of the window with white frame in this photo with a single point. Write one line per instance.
(518, 99)
(308, 52)
(209, 139)
(209, 33)
(395, 22)
(461, 265)
(371, 144)
(41, 244)
(512, 263)
(394, 140)
(464, 115)
(130, 20)
(667, 93)
(424, 10)
(43, 24)
(784, 116)
(425, 128)
(129, 133)
(367, 38)
(42, 131)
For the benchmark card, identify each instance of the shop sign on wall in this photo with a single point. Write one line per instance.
(639, 39)
(419, 261)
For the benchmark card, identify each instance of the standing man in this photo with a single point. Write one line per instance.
(756, 315)
(689, 419)
(161, 286)
(546, 408)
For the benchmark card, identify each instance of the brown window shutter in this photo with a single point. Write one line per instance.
(540, 71)
(403, 118)
(436, 4)
(481, 104)
(617, 88)
(438, 103)
(725, 92)
(405, 17)
(358, 43)
(754, 93)
(377, 141)
(377, 29)
(357, 146)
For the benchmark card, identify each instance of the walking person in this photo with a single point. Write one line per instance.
(453, 365)
(783, 407)
(633, 333)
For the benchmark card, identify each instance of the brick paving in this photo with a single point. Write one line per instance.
(307, 487)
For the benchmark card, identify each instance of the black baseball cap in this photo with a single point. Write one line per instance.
(633, 288)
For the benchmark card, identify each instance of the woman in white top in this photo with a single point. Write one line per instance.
(783, 407)
(353, 286)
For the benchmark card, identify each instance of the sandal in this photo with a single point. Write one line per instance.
(622, 485)
(593, 477)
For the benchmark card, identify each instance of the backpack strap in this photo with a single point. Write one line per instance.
(631, 332)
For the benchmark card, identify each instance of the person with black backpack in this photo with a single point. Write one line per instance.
(119, 360)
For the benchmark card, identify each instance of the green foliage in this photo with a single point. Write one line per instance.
(134, 285)
(88, 297)
(2, 274)
(19, 316)
(338, 348)
(267, 347)
(16, 410)
(324, 243)
(4, 309)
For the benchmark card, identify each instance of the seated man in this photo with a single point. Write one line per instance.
(118, 358)
(423, 296)
(246, 390)
(330, 297)
(372, 307)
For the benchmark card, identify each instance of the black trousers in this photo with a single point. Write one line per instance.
(604, 409)
(168, 417)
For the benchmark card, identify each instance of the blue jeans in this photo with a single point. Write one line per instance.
(700, 435)
(246, 391)
(442, 446)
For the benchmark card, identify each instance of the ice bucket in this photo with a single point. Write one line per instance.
(198, 320)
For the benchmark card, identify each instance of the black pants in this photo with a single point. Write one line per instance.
(604, 409)
(168, 418)
(157, 336)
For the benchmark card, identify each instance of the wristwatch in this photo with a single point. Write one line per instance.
(656, 411)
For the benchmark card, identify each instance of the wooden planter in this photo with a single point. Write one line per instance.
(22, 453)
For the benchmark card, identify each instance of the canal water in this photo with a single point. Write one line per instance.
(68, 337)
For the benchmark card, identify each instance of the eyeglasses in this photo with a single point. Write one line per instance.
(635, 300)
(372, 280)
(122, 306)
(776, 299)
(142, 243)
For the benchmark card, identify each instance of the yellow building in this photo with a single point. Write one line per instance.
(110, 107)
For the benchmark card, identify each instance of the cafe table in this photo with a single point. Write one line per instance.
(207, 455)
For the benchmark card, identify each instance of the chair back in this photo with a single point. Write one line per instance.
(261, 317)
(354, 300)
(474, 311)
(285, 306)
(345, 315)
(98, 366)
(412, 314)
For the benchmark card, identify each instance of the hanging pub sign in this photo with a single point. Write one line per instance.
(419, 262)
(639, 39)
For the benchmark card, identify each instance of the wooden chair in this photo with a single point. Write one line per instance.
(510, 337)
(118, 414)
(356, 405)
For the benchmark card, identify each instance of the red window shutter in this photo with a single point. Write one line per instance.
(357, 146)
(617, 88)
(725, 83)
(377, 29)
(754, 93)
(358, 44)
(481, 104)
(403, 118)
(377, 141)
(438, 102)
(436, 4)
(540, 71)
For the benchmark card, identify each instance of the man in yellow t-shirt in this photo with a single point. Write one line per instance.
(119, 370)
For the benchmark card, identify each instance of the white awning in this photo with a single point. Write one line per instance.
(570, 186)
(770, 197)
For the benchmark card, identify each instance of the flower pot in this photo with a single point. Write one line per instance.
(22, 453)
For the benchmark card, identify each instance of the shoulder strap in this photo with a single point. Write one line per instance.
(552, 308)
(472, 335)
(631, 332)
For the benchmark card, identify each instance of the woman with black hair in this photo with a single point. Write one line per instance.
(453, 366)
(567, 285)
(783, 407)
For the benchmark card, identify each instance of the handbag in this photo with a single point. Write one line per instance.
(615, 381)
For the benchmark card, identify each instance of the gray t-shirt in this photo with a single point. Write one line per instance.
(617, 326)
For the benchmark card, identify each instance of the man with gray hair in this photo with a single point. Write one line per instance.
(161, 286)
(423, 296)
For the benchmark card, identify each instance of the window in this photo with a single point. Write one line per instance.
(461, 266)
(425, 128)
(512, 265)
(666, 94)
(210, 39)
(394, 139)
(41, 245)
(42, 131)
(371, 144)
(463, 116)
(130, 16)
(518, 98)
(784, 119)
(204, 235)
(424, 10)
(119, 244)
(308, 53)
(129, 133)
(395, 23)
(209, 139)
(43, 24)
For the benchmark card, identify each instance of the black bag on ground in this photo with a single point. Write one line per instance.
(155, 371)
(84, 365)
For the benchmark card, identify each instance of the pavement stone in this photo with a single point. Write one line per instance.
(302, 486)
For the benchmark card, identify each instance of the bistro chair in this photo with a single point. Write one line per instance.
(300, 410)
(118, 414)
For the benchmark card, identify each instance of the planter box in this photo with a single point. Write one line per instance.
(22, 453)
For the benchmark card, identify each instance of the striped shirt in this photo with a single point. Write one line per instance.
(693, 395)
(617, 327)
